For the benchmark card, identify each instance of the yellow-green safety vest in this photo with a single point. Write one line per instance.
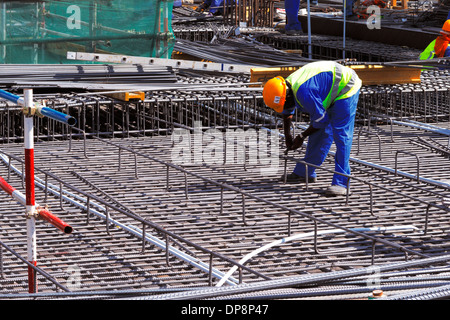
(428, 53)
(345, 80)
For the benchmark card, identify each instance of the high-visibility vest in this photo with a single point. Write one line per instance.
(345, 80)
(428, 53)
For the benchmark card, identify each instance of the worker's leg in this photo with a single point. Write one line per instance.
(292, 23)
(342, 118)
(348, 4)
(317, 148)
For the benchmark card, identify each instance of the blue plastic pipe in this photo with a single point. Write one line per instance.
(58, 116)
(12, 97)
(45, 111)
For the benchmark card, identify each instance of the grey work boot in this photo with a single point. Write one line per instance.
(294, 32)
(336, 190)
(294, 178)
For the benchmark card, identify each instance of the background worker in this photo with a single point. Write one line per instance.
(213, 6)
(439, 47)
(329, 93)
(293, 25)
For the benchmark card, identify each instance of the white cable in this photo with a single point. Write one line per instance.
(306, 235)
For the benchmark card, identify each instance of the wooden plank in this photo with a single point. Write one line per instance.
(369, 74)
(299, 52)
(127, 96)
(264, 74)
(379, 75)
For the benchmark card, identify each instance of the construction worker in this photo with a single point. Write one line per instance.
(215, 7)
(329, 93)
(439, 47)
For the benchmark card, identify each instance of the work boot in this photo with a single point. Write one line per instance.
(336, 190)
(294, 32)
(293, 29)
(294, 178)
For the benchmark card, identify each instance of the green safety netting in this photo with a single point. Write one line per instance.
(43, 31)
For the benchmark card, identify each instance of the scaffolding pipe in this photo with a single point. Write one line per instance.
(56, 115)
(29, 194)
(46, 215)
(309, 30)
(41, 110)
(41, 212)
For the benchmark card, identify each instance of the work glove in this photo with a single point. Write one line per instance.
(297, 143)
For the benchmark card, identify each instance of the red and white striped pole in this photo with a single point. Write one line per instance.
(29, 188)
(41, 212)
(33, 210)
(12, 191)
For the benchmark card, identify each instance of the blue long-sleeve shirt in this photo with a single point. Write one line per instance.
(318, 85)
(311, 95)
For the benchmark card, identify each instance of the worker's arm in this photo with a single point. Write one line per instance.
(298, 141)
(291, 143)
(287, 122)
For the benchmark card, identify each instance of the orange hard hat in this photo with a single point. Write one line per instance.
(274, 93)
(446, 27)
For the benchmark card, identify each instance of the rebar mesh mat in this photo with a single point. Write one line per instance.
(107, 257)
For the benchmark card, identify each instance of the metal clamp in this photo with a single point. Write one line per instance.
(38, 107)
(33, 214)
(29, 111)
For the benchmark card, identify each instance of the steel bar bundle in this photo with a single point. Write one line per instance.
(57, 74)
(188, 16)
(330, 47)
(238, 51)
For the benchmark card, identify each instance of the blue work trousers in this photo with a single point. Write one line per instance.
(292, 7)
(340, 130)
(348, 4)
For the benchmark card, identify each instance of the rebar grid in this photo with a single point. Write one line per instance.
(103, 116)
(202, 211)
(331, 47)
(226, 222)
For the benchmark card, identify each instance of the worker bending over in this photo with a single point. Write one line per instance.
(215, 7)
(439, 47)
(329, 93)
